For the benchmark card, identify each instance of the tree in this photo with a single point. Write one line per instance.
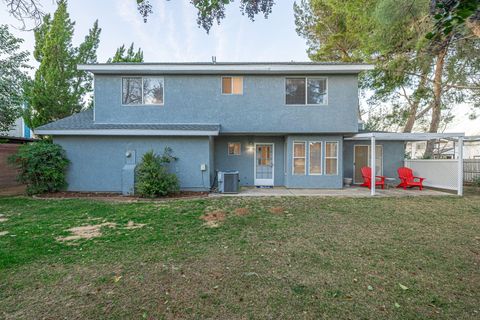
(13, 66)
(129, 56)
(59, 89)
(419, 79)
(209, 11)
(25, 10)
(453, 14)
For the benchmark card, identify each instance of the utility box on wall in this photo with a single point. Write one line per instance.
(128, 173)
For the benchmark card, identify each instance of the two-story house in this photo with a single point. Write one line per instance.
(278, 124)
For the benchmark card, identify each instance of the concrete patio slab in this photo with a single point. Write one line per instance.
(345, 192)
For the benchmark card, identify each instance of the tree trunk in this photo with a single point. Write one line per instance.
(412, 114)
(437, 99)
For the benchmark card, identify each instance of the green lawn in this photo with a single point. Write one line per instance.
(276, 258)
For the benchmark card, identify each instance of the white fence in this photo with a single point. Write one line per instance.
(437, 173)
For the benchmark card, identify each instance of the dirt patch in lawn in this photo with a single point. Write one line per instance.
(242, 211)
(277, 210)
(133, 225)
(3, 233)
(213, 219)
(2, 218)
(86, 232)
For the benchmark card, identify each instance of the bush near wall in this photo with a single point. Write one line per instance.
(476, 182)
(152, 178)
(42, 167)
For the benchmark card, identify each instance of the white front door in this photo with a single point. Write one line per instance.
(264, 164)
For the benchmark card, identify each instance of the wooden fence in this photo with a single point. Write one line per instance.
(8, 174)
(471, 169)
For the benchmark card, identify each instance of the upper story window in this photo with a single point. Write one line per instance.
(306, 90)
(232, 85)
(142, 91)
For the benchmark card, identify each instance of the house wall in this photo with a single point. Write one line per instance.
(19, 129)
(313, 181)
(261, 108)
(393, 156)
(97, 162)
(244, 162)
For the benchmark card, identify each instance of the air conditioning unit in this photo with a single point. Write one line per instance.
(228, 181)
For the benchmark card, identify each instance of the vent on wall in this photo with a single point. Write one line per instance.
(228, 181)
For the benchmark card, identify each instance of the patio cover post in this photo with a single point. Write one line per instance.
(372, 165)
(460, 167)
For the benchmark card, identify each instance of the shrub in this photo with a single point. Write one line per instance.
(42, 167)
(152, 178)
(476, 182)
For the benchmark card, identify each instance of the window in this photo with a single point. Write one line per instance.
(142, 91)
(132, 91)
(232, 85)
(331, 158)
(309, 91)
(316, 91)
(315, 157)
(299, 158)
(234, 149)
(295, 91)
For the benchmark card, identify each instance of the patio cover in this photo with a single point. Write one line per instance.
(393, 136)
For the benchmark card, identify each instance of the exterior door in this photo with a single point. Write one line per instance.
(263, 168)
(361, 159)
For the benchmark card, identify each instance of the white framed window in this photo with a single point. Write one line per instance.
(331, 158)
(234, 148)
(142, 91)
(299, 158)
(232, 85)
(306, 91)
(315, 158)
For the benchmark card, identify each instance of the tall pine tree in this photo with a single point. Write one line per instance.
(129, 56)
(59, 89)
(416, 81)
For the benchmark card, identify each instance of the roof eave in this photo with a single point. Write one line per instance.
(400, 136)
(224, 69)
(125, 132)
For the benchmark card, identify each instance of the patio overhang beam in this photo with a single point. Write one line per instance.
(404, 136)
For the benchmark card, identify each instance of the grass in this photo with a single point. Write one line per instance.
(276, 258)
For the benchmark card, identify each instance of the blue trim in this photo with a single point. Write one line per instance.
(26, 130)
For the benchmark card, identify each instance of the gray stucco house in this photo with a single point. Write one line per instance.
(280, 124)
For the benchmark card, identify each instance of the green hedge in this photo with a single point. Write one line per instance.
(152, 178)
(42, 167)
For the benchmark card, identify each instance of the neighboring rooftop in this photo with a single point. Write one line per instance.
(226, 68)
(82, 123)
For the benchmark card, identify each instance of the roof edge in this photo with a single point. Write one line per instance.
(402, 136)
(223, 68)
(125, 132)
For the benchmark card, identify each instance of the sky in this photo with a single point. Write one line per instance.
(172, 35)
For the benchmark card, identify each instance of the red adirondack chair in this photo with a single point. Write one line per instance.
(408, 179)
(367, 178)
